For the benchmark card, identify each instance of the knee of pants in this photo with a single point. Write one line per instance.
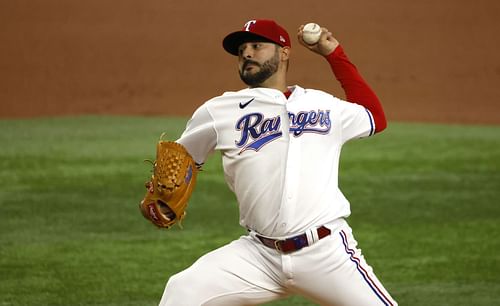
(183, 289)
(179, 284)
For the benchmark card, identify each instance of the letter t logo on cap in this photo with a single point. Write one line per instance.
(249, 24)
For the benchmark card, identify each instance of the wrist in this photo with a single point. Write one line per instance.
(334, 53)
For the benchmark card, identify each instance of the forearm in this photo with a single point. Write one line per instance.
(355, 87)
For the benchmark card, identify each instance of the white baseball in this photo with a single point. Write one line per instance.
(311, 33)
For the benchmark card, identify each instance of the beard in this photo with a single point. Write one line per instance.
(267, 69)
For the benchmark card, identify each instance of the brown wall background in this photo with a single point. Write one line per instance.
(431, 61)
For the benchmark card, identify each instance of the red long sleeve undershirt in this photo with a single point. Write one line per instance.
(355, 88)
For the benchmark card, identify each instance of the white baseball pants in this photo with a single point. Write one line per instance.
(332, 271)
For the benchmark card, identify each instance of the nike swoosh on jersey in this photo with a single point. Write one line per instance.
(243, 105)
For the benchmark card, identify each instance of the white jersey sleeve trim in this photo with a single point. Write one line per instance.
(372, 122)
(357, 121)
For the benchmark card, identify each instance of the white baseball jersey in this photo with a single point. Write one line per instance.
(280, 156)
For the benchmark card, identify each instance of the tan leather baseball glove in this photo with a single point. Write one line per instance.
(171, 185)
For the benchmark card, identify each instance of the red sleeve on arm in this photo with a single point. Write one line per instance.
(355, 88)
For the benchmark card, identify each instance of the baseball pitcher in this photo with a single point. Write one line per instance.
(280, 148)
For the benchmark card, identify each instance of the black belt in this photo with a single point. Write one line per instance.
(292, 244)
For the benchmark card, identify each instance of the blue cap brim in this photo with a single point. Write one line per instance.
(232, 42)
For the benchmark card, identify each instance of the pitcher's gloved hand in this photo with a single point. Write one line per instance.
(171, 185)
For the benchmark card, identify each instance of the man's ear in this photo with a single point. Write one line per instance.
(285, 53)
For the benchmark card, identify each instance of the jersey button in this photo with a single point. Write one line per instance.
(283, 224)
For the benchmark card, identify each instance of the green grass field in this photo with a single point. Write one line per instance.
(425, 202)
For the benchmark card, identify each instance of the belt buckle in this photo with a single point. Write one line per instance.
(297, 241)
(277, 245)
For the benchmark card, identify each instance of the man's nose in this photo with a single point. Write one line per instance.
(246, 52)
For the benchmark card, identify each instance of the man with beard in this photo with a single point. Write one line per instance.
(280, 147)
